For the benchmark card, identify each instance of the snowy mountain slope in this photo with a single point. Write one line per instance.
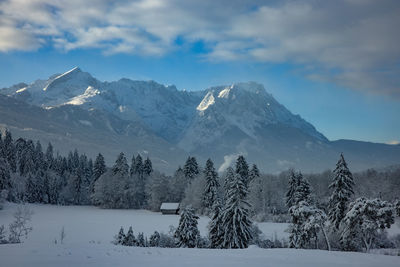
(219, 122)
(68, 127)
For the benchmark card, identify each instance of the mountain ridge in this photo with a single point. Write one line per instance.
(218, 122)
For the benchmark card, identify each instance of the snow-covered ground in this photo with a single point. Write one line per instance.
(89, 231)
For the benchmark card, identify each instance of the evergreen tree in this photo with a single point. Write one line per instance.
(147, 167)
(303, 190)
(31, 189)
(215, 227)
(254, 173)
(121, 167)
(187, 233)
(10, 151)
(342, 191)
(139, 165)
(5, 178)
(155, 239)
(129, 239)
(178, 185)
(49, 156)
(229, 177)
(132, 170)
(120, 238)
(140, 240)
(191, 168)
(99, 167)
(292, 187)
(235, 217)
(211, 188)
(242, 169)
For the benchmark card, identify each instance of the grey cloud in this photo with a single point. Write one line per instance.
(350, 42)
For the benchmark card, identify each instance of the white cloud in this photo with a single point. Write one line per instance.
(350, 42)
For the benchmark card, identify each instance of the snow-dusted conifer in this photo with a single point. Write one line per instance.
(342, 191)
(129, 239)
(120, 167)
(242, 169)
(215, 227)
(191, 168)
(119, 239)
(235, 218)
(5, 178)
(140, 240)
(147, 167)
(155, 239)
(10, 151)
(211, 187)
(99, 167)
(292, 187)
(187, 233)
(229, 177)
(303, 190)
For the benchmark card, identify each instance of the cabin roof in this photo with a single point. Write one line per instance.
(169, 206)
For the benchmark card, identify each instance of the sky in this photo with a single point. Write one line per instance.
(336, 63)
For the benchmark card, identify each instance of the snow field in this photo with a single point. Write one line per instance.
(89, 231)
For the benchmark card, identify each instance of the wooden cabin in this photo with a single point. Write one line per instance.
(169, 208)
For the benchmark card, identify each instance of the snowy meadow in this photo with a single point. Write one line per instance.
(89, 232)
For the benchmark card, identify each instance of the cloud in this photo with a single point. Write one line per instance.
(393, 142)
(349, 42)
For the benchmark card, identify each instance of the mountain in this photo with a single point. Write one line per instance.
(168, 125)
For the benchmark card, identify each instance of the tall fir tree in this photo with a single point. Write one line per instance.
(132, 170)
(242, 169)
(121, 167)
(10, 151)
(215, 227)
(303, 190)
(292, 187)
(139, 165)
(99, 167)
(129, 239)
(342, 191)
(191, 168)
(229, 177)
(147, 167)
(5, 178)
(49, 156)
(236, 218)
(187, 234)
(211, 187)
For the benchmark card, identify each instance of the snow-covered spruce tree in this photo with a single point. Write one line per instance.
(254, 173)
(191, 168)
(120, 167)
(229, 177)
(235, 217)
(215, 227)
(49, 156)
(147, 167)
(155, 239)
(303, 190)
(292, 187)
(99, 169)
(129, 239)
(140, 240)
(242, 169)
(211, 187)
(10, 151)
(5, 177)
(120, 237)
(342, 191)
(187, 233)
(364, 219)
